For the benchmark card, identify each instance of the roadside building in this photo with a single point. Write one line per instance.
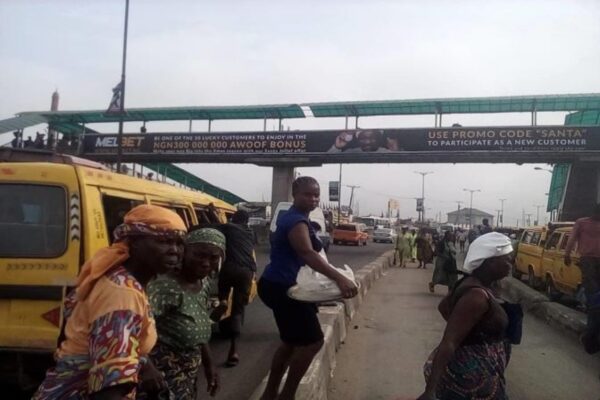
(461, 217)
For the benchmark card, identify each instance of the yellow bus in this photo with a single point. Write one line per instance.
(56, 211)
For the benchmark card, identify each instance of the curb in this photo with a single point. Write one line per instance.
(335, 318)
(558, 316)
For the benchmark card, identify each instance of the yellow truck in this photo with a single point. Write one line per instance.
(56, 211)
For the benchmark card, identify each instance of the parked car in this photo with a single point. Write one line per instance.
(561, 279)
(316, 216)
(529, 256)
(384, 235)
(350, 234)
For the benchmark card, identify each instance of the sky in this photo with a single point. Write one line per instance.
(190, 53)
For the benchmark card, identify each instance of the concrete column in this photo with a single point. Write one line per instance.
(582, 192)
(281, 187)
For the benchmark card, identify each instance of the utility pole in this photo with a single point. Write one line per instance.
(471, 206)
(352, 187)
(529, 219)
(501, 219)
(122, 106)
(498, 218)
(458, 211)
(423, 174)
(537, 217)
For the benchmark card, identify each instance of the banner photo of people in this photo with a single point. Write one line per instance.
(355, 142)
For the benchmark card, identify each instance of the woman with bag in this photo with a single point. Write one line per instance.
(445, 271)
(294, 244)
(469, 362)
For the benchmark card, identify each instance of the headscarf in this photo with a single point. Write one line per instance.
(143, 220)
(486, 246)
(207, 236)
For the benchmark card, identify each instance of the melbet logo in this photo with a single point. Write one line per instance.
(112, 141)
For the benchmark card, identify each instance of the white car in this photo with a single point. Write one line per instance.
(315, 215)
(384, 235)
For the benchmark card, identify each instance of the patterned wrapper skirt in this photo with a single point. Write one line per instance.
(476, 372)
(180, 368)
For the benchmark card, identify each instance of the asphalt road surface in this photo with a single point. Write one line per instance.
(398, 326)
(259, 335)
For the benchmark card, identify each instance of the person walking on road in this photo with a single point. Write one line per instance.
(462, 239)
(424, 250)
(236, 274)
(470, 361)
(402, 248)
(586, 235)
(294, 244)
(485, 227)
(180, 302)
(445, 271)
(412, 237)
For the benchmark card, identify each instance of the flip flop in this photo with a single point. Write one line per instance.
(232, 361)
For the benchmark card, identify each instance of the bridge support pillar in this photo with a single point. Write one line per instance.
(281, 189)
(582, 191)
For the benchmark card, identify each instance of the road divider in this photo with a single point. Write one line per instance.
(335, 319)
(556, 315)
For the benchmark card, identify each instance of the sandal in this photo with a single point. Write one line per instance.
(232, 361)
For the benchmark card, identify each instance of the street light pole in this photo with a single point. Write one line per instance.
(423, 174)
(537, 216)
(501, 218)
(122, 106)
(471, 205)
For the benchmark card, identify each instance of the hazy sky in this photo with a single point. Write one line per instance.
(191, 53)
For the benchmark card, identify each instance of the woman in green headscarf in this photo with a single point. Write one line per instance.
(180, 302)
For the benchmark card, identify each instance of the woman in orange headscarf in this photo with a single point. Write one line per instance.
(109, 329)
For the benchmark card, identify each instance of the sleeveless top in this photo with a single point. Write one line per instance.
(492, 326)
(285, 262)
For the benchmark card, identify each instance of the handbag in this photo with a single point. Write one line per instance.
(514, 330)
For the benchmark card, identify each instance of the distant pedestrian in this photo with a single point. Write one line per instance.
(462, 239)
(412, 237)
(402, 248)
(38, 143)
(424, 250)
(470, 361)
(16, 142)
(28, 144)
(485, 227)
(445, 271)
(586, 235)
(294, 244)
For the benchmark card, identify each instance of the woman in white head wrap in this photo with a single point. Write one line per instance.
(469, 362)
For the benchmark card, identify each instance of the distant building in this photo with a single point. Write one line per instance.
(461, 217)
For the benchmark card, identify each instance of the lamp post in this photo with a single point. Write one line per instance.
(122, 105)
(471, 205)
(501, 217)
(537, 216)
(423, 174)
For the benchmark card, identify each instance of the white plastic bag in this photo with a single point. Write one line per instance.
(312, 286)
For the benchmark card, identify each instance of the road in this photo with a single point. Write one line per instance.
(398, 326)
(260, 337)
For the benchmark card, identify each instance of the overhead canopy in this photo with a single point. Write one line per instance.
(190, 180)
(470, 105)
(591, 117)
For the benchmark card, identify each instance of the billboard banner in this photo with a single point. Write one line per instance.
(334, 191)
(352, 142)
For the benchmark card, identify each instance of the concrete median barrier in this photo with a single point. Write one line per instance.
(335, 319)
(556, 315)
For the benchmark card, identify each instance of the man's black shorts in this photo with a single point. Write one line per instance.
(297, 321)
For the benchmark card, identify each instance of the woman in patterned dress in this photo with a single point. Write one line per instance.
(469, 362)
(180, 305)
(109, 329)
